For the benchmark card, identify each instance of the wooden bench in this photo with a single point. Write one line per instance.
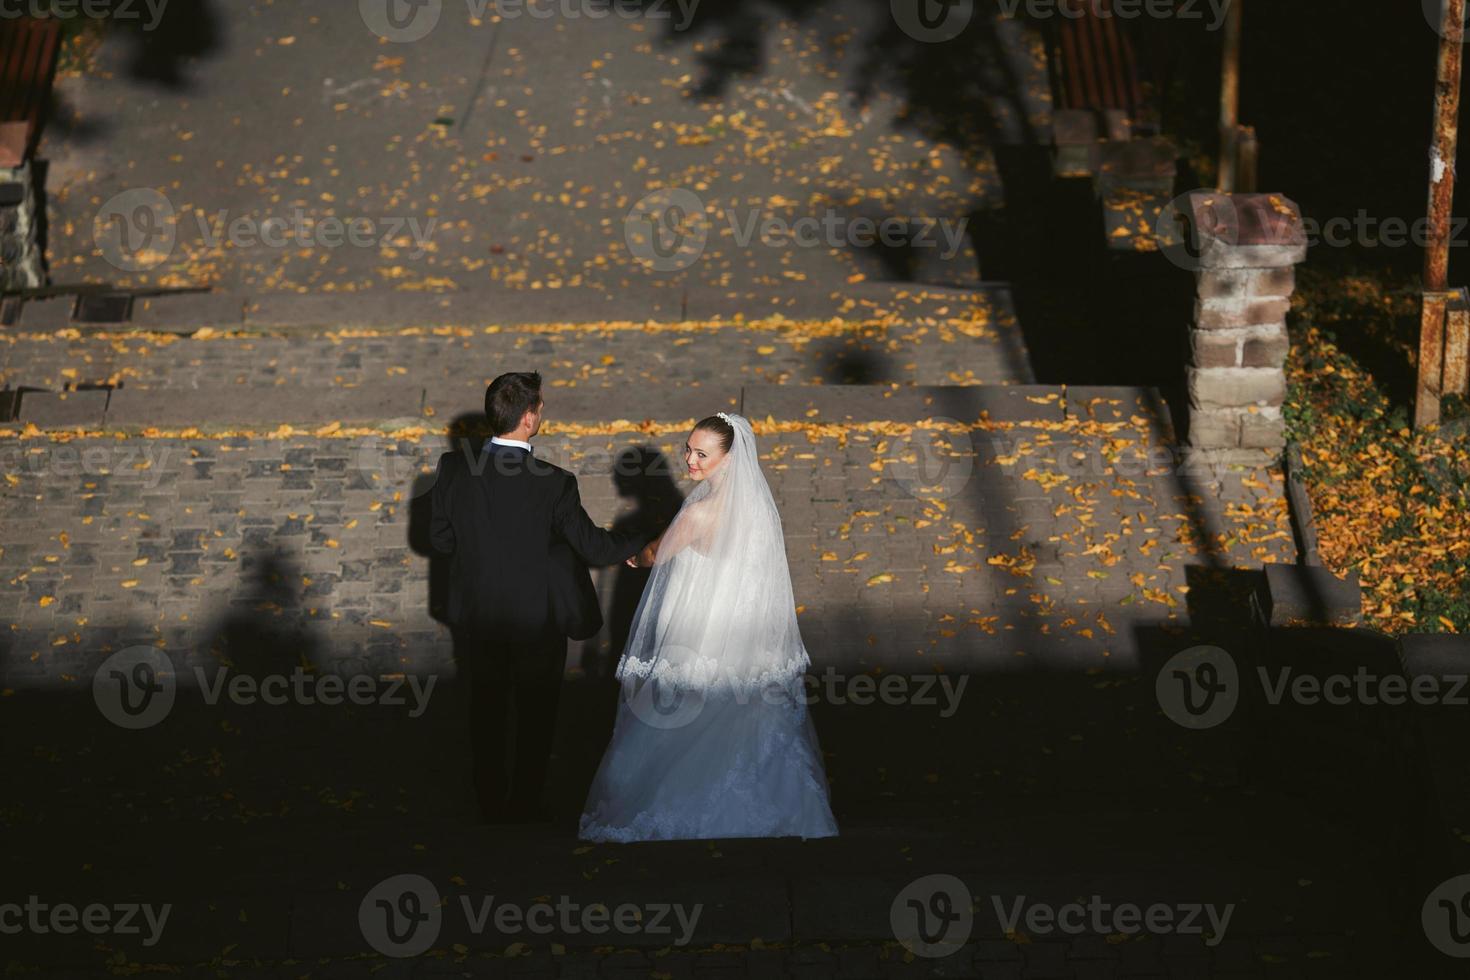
(1098, 90)
(28, 47)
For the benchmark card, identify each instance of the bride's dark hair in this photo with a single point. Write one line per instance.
(719, 427)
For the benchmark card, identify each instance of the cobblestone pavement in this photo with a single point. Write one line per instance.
(508, 149)
(972, 548)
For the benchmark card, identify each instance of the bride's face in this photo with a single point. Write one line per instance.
(702, 454)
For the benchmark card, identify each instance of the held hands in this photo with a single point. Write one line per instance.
(644, 558)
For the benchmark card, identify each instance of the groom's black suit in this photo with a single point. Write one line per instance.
(519, 543)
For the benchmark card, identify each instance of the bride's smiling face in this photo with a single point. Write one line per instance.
(703, 453)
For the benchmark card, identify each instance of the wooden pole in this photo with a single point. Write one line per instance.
(1441, 198)
(1229, 99)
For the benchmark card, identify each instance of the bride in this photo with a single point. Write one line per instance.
(712, 737)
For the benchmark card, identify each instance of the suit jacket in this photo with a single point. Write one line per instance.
(520, 543)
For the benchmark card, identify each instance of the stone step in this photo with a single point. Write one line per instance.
(399, 404)
(187, 311)
(948, 343)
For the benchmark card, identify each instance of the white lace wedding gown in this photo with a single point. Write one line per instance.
(713, 738)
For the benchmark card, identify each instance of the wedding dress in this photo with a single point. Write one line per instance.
(712, 737)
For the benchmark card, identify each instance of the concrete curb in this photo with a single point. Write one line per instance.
(1303, 595)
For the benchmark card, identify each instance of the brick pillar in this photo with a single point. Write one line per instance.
(1248, 246)
(20, 253)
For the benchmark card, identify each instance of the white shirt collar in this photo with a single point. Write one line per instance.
(497, 441)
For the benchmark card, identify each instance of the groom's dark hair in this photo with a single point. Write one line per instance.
(510, 397)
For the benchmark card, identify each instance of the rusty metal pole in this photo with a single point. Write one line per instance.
(1441, 198)
(1229, 99)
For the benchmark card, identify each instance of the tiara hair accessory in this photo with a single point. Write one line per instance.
(726, 418)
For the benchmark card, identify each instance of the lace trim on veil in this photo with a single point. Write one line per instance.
(708, 675)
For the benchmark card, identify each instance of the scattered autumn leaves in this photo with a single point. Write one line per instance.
(1390, 502)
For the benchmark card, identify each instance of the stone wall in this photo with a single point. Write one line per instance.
(20, 251)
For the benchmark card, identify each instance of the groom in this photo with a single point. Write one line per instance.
(520, 544)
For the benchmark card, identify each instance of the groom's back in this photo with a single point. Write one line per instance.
(493, 515)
